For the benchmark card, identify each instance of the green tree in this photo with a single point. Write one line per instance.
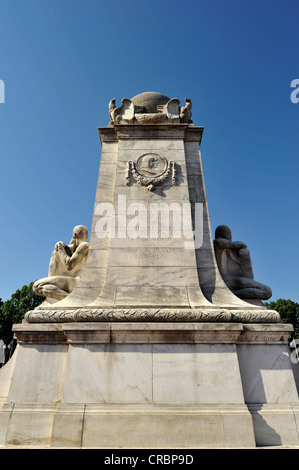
(13, 310)
(289, 312)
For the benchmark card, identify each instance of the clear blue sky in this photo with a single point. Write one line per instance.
(63, 60)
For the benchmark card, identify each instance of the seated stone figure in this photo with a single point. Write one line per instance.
(66, 266)
(234, 263)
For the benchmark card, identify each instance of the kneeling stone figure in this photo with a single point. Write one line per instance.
(66, 266)
(234, 263)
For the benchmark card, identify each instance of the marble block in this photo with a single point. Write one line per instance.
(193, 374)
(148, 384)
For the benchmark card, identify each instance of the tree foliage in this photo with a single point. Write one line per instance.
(289, 312)
(13, 310)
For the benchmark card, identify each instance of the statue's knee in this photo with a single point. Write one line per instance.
(267, 293)
(37, 288)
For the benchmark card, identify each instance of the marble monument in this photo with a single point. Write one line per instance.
(158, 340)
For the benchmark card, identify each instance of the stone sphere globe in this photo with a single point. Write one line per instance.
(150, 100)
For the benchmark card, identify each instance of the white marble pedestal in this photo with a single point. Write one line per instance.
(149, 385)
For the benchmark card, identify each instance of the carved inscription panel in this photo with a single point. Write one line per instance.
(151, 253)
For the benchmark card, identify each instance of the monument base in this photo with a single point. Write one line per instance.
(149, 385)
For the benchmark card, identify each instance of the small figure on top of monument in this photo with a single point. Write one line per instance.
(234, 263)
(185, 113)
(66, 266)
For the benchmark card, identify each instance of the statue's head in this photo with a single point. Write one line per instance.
(223, 231)
(80, 234)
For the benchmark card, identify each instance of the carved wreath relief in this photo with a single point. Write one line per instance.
(151, 170)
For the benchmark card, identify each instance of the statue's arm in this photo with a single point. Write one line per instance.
(224, 244)
(72, 261)
(237, 245)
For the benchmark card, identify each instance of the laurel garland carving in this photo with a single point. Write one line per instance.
(140, 315)
(253, 316)
(151, 182)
